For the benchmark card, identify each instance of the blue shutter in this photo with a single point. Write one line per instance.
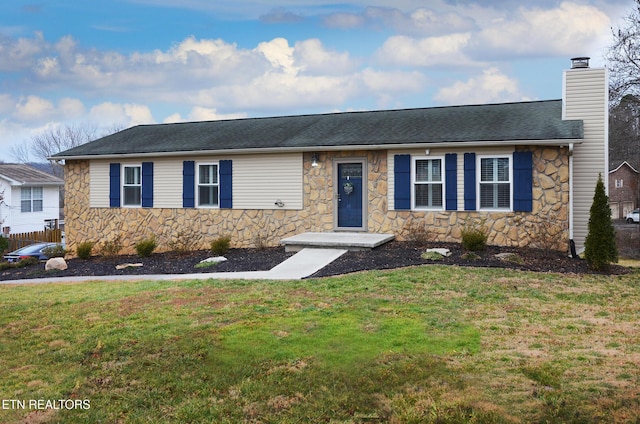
(188, 184)
(451, 190)
(469, 181)
(522, 181)
(147, 184)
(114, 185)
(402, 182)
(226, 185)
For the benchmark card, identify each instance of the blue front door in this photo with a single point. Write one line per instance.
(350, 195)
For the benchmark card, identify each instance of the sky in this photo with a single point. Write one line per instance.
(112, 64)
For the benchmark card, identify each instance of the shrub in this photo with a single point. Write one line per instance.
(145, 247)
(26, 262)
(112, 247)
(474, 237)
(56, 251)
(418, 232)
(220, 246)
(600, 245)
(4, 244)
(84, 249)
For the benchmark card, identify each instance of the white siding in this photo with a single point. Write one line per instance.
(261, 180)
(258, 180)
(11, 214)
(585, 97)
(167, 182)
(99, 184)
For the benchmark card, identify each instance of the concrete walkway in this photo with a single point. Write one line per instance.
(303, 264)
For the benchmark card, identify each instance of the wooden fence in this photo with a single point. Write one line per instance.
(18, 240)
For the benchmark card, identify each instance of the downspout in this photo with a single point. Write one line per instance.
(572, 244)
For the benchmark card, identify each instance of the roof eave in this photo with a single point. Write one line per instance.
(248, 151)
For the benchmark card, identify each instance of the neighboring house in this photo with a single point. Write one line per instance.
(31, 199)
(623, 190)
(526, 171)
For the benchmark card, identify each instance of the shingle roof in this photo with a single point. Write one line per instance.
(21, 174)
(541, 120)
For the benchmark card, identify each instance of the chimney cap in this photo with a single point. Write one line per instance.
(580, 62)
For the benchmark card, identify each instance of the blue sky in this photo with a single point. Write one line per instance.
(118, 63)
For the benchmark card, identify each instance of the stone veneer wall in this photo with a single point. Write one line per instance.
(546, 227)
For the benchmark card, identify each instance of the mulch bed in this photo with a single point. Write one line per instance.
(389, 256)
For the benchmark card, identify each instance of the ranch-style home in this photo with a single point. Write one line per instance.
(525, 171)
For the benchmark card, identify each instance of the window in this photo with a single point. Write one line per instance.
(208, 187)
(619, 183)
(495, 183)
(31, 199)
(132, 186)
(428, 183)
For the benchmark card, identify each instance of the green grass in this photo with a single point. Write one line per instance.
(425, 344)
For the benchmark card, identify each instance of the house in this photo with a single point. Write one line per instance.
(525, 171)
(30, 199)
(624, 196)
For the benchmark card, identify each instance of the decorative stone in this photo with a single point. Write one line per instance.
(123, 266)
(215, 259)
(55, 264)
(550, 204)
(440, 250)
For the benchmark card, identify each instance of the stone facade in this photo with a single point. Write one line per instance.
(546, 226)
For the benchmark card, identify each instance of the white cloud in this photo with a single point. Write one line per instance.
(491, 87)
(126, 115)
(71, 108)
(33, 108)
(20, 54)
(446, 50)
(420, 21)
(199, 113)
(313, 58)
(566, 30)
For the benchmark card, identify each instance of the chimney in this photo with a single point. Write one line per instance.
(579, 62)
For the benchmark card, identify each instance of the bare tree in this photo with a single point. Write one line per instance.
(52, 141)
(623, 58)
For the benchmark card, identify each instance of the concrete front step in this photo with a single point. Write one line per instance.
(346, 240)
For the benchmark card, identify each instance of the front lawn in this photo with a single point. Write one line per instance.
(424, 344)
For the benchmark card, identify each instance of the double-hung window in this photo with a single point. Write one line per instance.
(495, 182)
(31, 199)
(428, 183)
(208, 185)
(132, 185)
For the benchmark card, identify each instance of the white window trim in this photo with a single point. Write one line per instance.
(414, 182)
(122, 184)
(479, 182)
(32, 199)
(197, 185)
(619, 183)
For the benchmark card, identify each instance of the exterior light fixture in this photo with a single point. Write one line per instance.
(314, 160)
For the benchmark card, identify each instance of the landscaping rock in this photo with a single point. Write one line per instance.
(442, 251)
(123, 266)
(214, 259)
(55, 264)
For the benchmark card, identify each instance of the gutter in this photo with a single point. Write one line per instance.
(320, 148)
(572, 243)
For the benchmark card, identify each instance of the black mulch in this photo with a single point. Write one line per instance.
(389, 256)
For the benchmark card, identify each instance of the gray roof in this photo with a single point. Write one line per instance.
(540, 120)
(20, 174)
